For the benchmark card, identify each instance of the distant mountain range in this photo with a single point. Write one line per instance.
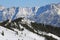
(48, 14)
(22, 22)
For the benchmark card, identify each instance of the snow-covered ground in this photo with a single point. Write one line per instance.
(18, 35)
(49, 34)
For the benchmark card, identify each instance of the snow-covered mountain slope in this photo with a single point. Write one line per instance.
(6, 34)
(49, 14)
(21, 24)
(26, 34)
(16, 12)
(36, 23)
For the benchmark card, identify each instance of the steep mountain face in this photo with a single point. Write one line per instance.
(49, 14)
(16, 12)
(6, 13)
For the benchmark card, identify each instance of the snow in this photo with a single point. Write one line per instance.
(59, 12)
(22, 35)
(50, 34)
(45, 17)
(1, 8)
(37, 14)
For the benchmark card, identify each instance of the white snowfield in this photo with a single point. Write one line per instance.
(50, 34)
(21, 35)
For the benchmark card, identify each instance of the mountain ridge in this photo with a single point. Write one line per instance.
(48, 14)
